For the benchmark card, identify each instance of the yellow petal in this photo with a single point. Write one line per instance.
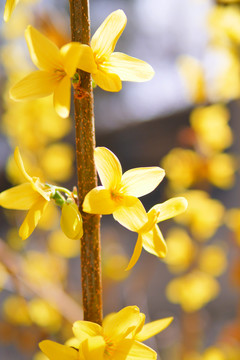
(9, 7)
(154, 243)
(136, 253)
(153, 328)
(44, 53)
(94, 348)
(55, 351)
(99, 201)
(86, 60)
(19, 162)
(170, 208)
(141, 181)
(62, 97)
(122, 323)
(132, 217)
(86, 329)
(35, 85)
(32, 218)
(71, 221)
(107, 81)
(128, 68)
(105, 38)
(70, 54)
(133, 350)
(108, 167)
(20, 197)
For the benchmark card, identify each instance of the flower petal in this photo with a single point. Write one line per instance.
(86, 329)
(153, 328)
(71, 221)
(122, 323)
(141, 181)
(136, 253)
(55, 351)
(107, 81)
(108, 167)
(99, 201)
(70, 54)
(32, 218)
(154, 243)
(19, 162)
(62, 97)
(20, 197)
(35, 85)
(170, 208)
(133, 350)
(131, 217)
(44, 53)
(93, 348)
(105, 38)
(86, 60)
(128, 68)
(9, 7)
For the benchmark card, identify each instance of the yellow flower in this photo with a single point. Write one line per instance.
(9, 7)
(118, 338)
(32, 196)
(150, 237)
(56, 67)
(119, 190)
(110, 68)
(71, 221)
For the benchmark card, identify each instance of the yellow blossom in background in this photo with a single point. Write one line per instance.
(71, 221)
(192, 291)
(31, 195)
(109, 68)
(60, 244)
(213, 353)
(44, 314)
(15, 309)
(212, 260)
(9, 7)
(203, 216)
(57, 67)
(233, 222)
(50, 218)
(119, 337)
(150, 237)
(221, 170)
(3, 276)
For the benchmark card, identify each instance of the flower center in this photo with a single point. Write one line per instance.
(110, 347)
(116, 196)
(59, 74)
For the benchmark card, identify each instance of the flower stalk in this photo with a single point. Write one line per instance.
(87, 179)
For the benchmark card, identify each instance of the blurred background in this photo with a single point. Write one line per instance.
(186, 120)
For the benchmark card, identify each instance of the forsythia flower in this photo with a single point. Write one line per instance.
(118, 338)
(9, 7)
(71, 221)
(110, 68)
(150, 237)
(32, 196)
(57, 66)
(119, 190)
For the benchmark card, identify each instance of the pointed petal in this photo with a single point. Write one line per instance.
(154, 243)
(128, 68)
(94, 348)
(153, 328)
(170, 208)
(71, 221)
(20, 197)
(86, 329)
(136, 253)
(62, 97)
(133, 350)
(107, 81)
(57, 351)
(108, 167)
(99, 201)
(9, 7)
(132, 217)
(86, 60)
(105, 38)
(35, 85)
(44, 53)
(141, 181)
(122, 323)
(19, 162)
(71, 54)
(32, 218)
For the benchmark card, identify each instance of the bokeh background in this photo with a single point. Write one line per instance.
(186, 119)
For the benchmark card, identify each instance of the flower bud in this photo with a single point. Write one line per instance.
(71, 221)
